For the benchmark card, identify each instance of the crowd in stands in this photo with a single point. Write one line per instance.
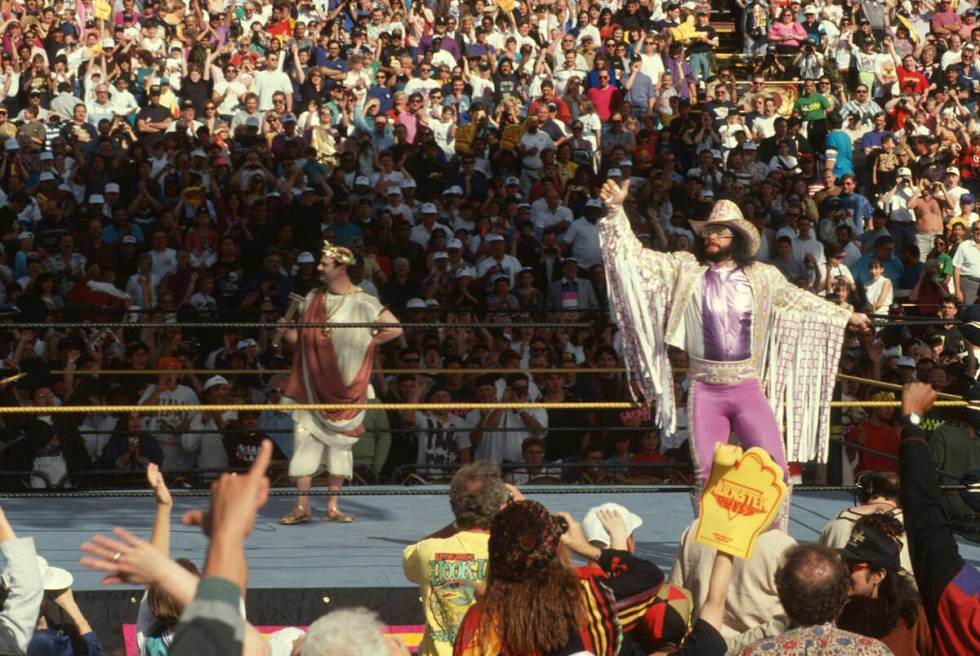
(176, 162)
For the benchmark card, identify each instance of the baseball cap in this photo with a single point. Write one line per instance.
(904, 172)
(199, 152)
(415, 304)
(614, 173)
(454, 243)
(96, 199)
(27, 234)
(512, 182)
(112, 188)
(47, 156)
(953, 170)
(362, 180)
(186, 103)
(305, 258)
(245, 343)
(288, 117)
(871, 545)
(155, 90)
(466, 272)
(494, 237)
(407, 183)
(596, 534)
(440, 255)
(593, 202)
(905, 361)
(453, 191)
(214, 381)
(128, 239)
(47, 176)
(968, 198)
(429, 208)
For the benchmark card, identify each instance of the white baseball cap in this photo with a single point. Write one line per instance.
(494, 237)
(305, 258)
(415, 304)
(429, 208)
(595, 533)
(112, 188)
(54, 578)
(47, 156)
(214, 381)
(245, 343)
(593, 202)
(614, 173)
(362, 180)
(454, 243)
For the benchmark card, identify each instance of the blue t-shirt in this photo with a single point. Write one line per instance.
(839, 141)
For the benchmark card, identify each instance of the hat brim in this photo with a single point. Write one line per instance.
(743, 227)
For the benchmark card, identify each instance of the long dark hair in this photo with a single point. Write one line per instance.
(897, 598)
(740, 250)
(536, 615)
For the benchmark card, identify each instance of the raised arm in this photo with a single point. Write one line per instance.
(640, 283)
(160, 538)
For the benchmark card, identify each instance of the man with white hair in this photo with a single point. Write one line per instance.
(351, 632)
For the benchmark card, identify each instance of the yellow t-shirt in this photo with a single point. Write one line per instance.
(449, 571)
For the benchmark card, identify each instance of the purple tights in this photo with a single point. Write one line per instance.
(715, 411)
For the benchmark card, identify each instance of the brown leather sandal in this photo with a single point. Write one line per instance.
(337, 516)
(297, 515)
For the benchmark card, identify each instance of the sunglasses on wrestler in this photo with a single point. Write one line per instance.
(718, 231)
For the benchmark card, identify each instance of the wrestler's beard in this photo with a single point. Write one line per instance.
(723, 253)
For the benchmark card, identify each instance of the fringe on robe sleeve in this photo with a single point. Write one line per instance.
(640, 284)
(804, 340)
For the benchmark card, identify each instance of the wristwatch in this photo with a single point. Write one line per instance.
(913, 418)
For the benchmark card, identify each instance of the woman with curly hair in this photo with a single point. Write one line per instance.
(883, 601)
(534, 603)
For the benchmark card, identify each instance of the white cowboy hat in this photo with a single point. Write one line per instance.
(726, 213)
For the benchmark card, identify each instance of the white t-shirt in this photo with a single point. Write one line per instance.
(267, 83)
(583, 237)
(500, 446)
(436, 445)
(540, 140)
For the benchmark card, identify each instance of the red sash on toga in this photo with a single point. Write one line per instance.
(325, 381)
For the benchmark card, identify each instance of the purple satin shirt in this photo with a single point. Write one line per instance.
(726, 312)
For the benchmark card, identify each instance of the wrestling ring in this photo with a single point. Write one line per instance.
(297, 573)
